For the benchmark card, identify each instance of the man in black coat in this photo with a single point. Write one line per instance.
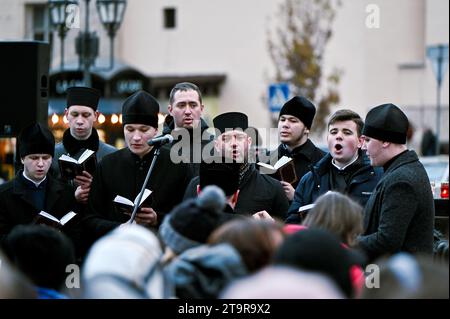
(294, 124)
(399, 215)
(186, 125)
(34, 190)
(123, 173)
(345, 169)
(259, 195)
(81, 113)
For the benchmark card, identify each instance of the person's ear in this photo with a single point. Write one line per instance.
(198, 190)
(360, 141)
(96, 114)
(22, 161)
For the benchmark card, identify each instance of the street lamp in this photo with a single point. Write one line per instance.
(59, 15)
(63, 15)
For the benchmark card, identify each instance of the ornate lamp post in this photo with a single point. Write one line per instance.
(87, 43)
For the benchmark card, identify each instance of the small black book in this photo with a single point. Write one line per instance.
(70, 167)
(284, 168)
(124, 205)
(50, 220)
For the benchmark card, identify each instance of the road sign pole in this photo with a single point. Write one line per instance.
(438, 99)
(438, 55)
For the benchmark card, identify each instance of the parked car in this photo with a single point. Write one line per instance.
(437, 168)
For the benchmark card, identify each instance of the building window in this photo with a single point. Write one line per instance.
(37, 22)
(170, 15)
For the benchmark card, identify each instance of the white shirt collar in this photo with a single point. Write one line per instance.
(35, 183)
(343, 168)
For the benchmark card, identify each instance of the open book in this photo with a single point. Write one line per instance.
(124, 205)
(284, 168)
(50, 220)
(70, 167)
(304, 210)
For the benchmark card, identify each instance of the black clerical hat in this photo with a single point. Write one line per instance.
(84, 96)
(230, 121)
(220, 172)
(140, 108)
(387, 123)
(36, 139)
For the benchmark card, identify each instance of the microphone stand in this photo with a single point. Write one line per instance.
(141, 193)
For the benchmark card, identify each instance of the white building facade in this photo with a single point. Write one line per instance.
(381, 62)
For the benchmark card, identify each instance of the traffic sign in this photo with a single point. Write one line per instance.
(278, 95)
(438, 55)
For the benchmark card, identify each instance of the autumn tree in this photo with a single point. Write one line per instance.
(297, 47)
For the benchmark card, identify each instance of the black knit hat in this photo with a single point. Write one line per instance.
(84, 96)
(319, 251)
(387, 123)
(220, 172)
(189, 224)
(36, 139)
(301, 108)
(140, 108)
(230, 121)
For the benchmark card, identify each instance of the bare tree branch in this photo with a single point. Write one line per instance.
(304, 29)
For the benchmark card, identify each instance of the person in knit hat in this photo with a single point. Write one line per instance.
(81, 113)
(189, 224)
(34, 189)
(399, 215)
(259, 195)
(123, 173)
(294, 124)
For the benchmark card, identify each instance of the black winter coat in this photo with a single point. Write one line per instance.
(399, 215)
(195, 151)
(17, 208)
(317, 182)
(123, 173)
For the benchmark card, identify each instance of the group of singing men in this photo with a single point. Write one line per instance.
(367, 160)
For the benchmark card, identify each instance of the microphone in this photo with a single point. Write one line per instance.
(160, 140)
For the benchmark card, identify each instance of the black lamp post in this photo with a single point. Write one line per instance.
(87, 43)
(59, 16)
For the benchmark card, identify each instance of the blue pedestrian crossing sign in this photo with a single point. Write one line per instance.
(278, 95)
(438, 54)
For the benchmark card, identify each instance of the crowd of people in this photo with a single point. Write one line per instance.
(214, 224)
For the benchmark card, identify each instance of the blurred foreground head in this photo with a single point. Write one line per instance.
(278, 282)
(404, 276)
(125, 264)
